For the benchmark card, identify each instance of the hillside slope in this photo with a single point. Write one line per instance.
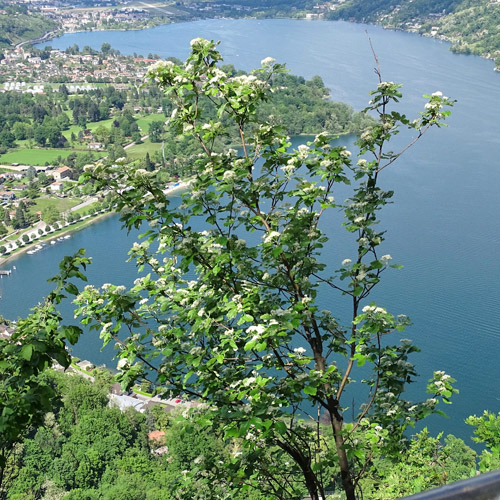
(17, 24)
(473, 26)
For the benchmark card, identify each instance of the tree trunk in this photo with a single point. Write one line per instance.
(345, 472)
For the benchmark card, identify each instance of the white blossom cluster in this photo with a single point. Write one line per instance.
(267, 61)
(249, 80)
(160, 65)
(385, 86)
(199, 43)
(289, 168)
(269, 237)
(229, 176)
(374, 310)
(303, 152)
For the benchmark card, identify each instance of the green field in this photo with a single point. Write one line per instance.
(144, 121)
(90, 126)
(39, 156)
(62, 204)
(139, 151)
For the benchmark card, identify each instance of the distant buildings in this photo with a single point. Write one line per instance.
(61, 173)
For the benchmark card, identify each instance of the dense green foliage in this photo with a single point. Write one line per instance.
(299, 106)
(247, 335)
(17, 24)
(474, 29)
(401, 11)
(43, 119)
(86, 450)
(305, 107)
(37, 342)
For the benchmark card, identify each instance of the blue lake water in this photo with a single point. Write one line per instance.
(444, 226)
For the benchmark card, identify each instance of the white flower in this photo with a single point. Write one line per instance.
(245, 79)
(437, 94)
(217, 75)
(229, 175)
(299, 350)
(346, 262)
(160, 65)
(289, 168)
(385, 259)
(303, 151)
(197, 41)
(122, 364)
(384, 85)
(258, 329)
(270, 236)
(140, 172)
(268, 61)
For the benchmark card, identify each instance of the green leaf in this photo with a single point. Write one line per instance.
(309, 389)
(27, 352)
(232, 432)
(71, 333)
(71, 288)
(281, 427)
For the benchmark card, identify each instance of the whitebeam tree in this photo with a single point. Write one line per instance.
(228, 315)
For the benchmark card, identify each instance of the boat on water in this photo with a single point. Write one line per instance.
(67, 237)
(34, 250)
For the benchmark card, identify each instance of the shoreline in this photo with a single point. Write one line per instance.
(18, 252)
(55, 34)
(181, 187)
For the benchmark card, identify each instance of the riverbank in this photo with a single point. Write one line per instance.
(78, 226)
(17, 252)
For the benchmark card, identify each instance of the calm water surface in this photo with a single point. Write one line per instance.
(444, 226)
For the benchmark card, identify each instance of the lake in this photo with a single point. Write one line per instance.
(444, 226)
